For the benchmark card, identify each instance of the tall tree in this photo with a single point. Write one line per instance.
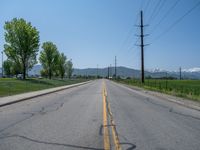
(62, 64)
(44, 73)
(17, 68)
(49, 57)
(69, 68)
(7, 67)
(22, 43)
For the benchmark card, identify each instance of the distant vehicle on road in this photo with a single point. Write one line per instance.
(20, 76)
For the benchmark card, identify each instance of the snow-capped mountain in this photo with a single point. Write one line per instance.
(196, 69)
(154, 70)
(191, 73)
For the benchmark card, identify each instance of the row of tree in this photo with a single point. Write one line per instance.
(53, 62)
(22, 47)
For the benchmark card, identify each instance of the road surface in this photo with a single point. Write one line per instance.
(99, 115)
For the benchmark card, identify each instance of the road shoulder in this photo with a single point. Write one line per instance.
(26, 96)
(181, 101)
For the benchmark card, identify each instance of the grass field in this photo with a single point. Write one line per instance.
(183, 88)
(13, 86)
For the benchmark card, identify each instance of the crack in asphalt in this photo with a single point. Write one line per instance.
(132, 146)
(49, 143)
(160, 105)
(15, 123)
(45, 110)
(42, 111)
(170, 109)
(185, 115)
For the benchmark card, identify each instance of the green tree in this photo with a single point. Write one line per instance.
(44, 73)
(22, 44)
(49, 57)
(69, 68)
(17, 68)
(7, 67)
(62, 64)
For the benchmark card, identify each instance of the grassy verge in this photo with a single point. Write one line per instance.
(10, 86)
(189, 89)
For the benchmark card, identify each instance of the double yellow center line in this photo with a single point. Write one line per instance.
(106, 111)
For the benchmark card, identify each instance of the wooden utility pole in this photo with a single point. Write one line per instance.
(108, 72)
(142, 48)
(115, 67)
(142, 44)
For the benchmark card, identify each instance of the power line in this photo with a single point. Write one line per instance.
(165, 15)
(141, 4)
(127, 38)
(178, 20)
(146, 7)
(128, 34)
(158, 10)
(154, 10)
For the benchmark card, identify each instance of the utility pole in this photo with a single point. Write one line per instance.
(142, 48)
(180, 73)
(142, 45)
(97, 70)
(108, 72)
(2, 64)
(115, 67)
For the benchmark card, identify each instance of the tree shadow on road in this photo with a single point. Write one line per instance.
(49, 143)
(132, 146)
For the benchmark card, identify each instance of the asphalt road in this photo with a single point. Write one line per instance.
(76, 119)
(147, 122)
(69, 119)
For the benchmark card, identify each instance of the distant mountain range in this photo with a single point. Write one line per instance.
(124, 72)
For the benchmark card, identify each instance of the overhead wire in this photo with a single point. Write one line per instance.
(165, 15)
(178, 20)
(129, 33)
(154, 10)
(142, 4)
(159, 9)
(147, 5)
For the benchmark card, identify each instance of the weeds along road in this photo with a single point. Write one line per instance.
(99, 115)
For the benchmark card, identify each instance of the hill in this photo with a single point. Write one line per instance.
(124, 72)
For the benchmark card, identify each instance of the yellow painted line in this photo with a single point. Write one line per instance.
(113, 127)
(105, 122)
(114, 132)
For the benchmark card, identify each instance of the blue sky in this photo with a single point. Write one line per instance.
(92, 32)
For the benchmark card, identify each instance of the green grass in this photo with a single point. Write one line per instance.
(183, 88)
(13, 86)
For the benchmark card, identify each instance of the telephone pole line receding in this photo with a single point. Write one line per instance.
(115, 67)
(108, 72)
(180, 75)
(142, 45)
(97, 70)
(142, 48)
(111, 71)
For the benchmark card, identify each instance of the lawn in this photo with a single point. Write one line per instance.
(183, 88)
(12, 86)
